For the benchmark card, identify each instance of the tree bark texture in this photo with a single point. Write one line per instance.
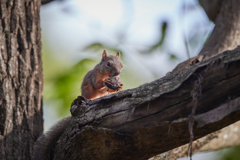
(21, 82)
(155, 117)
(227, 137)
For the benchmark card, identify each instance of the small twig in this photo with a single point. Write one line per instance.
(184, 36)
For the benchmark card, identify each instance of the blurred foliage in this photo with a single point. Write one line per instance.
(62, 83)
(173, 57)
(99, 47)
(159, 43)
(232, 154)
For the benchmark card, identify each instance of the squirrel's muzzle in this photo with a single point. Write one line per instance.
(116, 73)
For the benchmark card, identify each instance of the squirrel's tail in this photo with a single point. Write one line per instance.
(45, 145)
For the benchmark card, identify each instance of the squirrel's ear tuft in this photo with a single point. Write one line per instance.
(104, 55)
(118, 54)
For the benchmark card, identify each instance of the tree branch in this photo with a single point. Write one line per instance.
(225, 14)
(153, 118)
(211, 8)
(225, 35)
(226, 137)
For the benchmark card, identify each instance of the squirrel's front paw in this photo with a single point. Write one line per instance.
(107, 81)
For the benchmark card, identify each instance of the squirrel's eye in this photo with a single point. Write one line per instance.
(108, 64)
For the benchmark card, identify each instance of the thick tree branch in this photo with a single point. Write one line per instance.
(226, 137)
(153, 118)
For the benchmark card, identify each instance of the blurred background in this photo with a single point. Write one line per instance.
(153, 37)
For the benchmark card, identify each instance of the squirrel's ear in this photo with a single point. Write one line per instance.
(118, 54)
(104, 55)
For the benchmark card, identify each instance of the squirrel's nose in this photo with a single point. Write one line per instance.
(116, 73)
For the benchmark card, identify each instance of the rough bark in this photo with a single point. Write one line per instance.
(227, 137)
(21, 80)
(154, 118)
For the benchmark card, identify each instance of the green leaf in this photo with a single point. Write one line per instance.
(173, 57)
(98, 47)
(160, 41)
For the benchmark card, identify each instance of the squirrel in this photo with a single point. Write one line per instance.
(95, 82)
(101, 80)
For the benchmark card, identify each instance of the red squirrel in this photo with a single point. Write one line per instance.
(99, 81)
(96, 82)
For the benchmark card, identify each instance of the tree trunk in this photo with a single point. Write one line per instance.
(21, 82)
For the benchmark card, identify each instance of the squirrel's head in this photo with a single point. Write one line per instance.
(111, 65)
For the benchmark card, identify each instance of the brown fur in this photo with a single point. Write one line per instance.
(93, 85)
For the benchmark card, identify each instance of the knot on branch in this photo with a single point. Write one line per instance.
(78, 106)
